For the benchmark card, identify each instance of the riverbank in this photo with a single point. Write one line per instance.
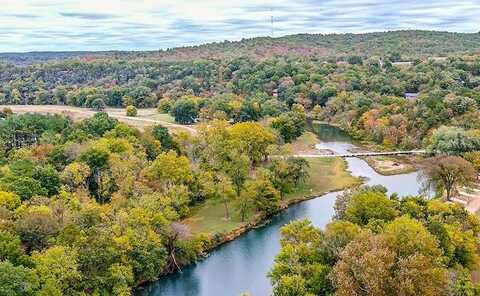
(383, 165)
(326, 175)
(388, 165)
(229, 267)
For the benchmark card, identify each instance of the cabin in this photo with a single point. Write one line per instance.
(275, 93)
(402, 64)
(411, 96)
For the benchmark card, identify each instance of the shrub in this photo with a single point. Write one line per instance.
(164, 105)
(98, 105)
(6, 112)
(132, 111)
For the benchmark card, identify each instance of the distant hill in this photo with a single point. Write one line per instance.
(28, 58)
(411, 44)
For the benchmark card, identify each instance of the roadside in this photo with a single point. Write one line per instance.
(145, 117)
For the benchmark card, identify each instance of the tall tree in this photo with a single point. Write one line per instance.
(447, 173)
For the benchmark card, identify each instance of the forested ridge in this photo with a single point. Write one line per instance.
(412, 43)
(366, 92)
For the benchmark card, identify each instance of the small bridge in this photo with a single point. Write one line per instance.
(361, 154)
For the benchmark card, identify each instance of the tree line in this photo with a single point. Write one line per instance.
(380, 245)
(96, 207)
(365, 95)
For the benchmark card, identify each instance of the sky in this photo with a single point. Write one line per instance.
(67, 25)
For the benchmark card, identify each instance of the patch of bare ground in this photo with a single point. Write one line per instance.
(390, 165)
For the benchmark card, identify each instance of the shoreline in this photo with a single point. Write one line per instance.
(216, 240)
(388, 165)
(257, 223)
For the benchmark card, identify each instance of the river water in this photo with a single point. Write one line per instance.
(241, 266)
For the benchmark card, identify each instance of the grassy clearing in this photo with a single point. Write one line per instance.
(326, 174)
(305, 144)
(160, 116)
(209, 218)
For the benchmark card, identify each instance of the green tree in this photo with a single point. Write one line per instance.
(17, 280)
(57, 270)
(245, 203)
(355, 60)
(161, 134)
(252, 139)
(49, 178)
(446, 173)
(98, 104)
(169, 170)
(131, 111)
(266, 197)
(224, 190)
(474, 158)
(25, 187)
(367, 206)
(298, 267)
(452, 141)
(185, 110)
(99, 124)
(11, 250)
(164, 105)
(290, 125)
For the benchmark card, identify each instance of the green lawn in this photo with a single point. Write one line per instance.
(209, 218)
(160, 116)
(326, 174)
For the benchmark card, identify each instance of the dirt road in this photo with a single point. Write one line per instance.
(145, 117)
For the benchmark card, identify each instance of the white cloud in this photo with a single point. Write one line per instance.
(151, 24)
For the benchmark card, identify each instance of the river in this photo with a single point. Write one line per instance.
(241, 266)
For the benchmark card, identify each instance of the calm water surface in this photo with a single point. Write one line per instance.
(242, 265)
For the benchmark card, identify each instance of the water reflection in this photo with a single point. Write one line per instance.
(242, 265)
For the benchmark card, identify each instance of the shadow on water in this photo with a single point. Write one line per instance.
(242, 265)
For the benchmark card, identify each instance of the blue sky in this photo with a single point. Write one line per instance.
(37, 25)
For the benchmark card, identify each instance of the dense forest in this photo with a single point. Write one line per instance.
(371, 95)
(95, 207)
(380, 245)
(412, 44)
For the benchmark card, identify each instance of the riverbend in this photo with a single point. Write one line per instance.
(242, 265)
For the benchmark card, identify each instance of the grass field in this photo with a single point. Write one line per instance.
(326, 174)
(305, 144)
(209, 218)
(145, 118)
(161, 117)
